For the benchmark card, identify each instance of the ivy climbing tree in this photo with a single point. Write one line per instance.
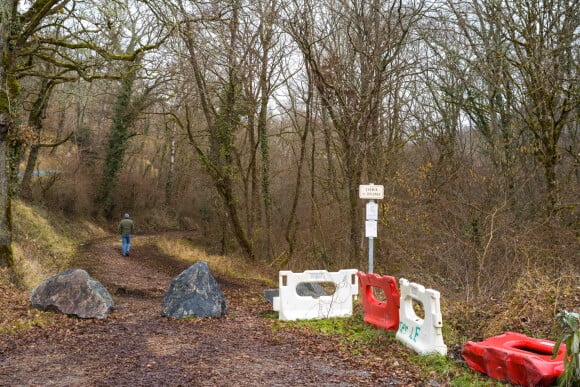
(127, 26)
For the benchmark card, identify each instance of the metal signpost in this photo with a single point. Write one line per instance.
(371, 192)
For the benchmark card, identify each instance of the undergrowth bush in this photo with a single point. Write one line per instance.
(570, 325)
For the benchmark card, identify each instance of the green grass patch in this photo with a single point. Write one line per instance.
(445, 368)
(473, 380)
(352, 330)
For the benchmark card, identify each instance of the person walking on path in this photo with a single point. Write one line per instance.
(126, 229)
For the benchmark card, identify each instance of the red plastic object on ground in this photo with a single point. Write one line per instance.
(516, 358)
(381, 314)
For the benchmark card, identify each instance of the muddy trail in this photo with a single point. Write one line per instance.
(136, 346)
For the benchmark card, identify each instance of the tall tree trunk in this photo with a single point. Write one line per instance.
(264, 83)
(124, 115)
(354, 167)
(171, 171)
(6, 252)
(292, 224)
(222, 122)
(8, 92)
(35, 121)
(251, 183)
(26, 183)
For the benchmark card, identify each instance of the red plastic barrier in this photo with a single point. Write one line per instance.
(516, 358)
(381, 314)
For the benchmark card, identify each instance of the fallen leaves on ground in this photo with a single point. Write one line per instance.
(135, 345)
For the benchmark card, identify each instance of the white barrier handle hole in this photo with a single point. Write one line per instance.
(419, 309)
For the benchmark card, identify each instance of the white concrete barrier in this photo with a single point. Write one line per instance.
(422, 335)
(292, 306)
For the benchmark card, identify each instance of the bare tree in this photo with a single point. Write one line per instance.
(128, 35)
(355, 52)
(299, 105)
(231, 53)
(545, 45)
(515, 78)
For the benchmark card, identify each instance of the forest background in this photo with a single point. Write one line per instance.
(256, 122)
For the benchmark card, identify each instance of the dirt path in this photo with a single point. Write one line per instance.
(136, 346)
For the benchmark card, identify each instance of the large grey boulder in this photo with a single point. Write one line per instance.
(73, 292)
(194, 293)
